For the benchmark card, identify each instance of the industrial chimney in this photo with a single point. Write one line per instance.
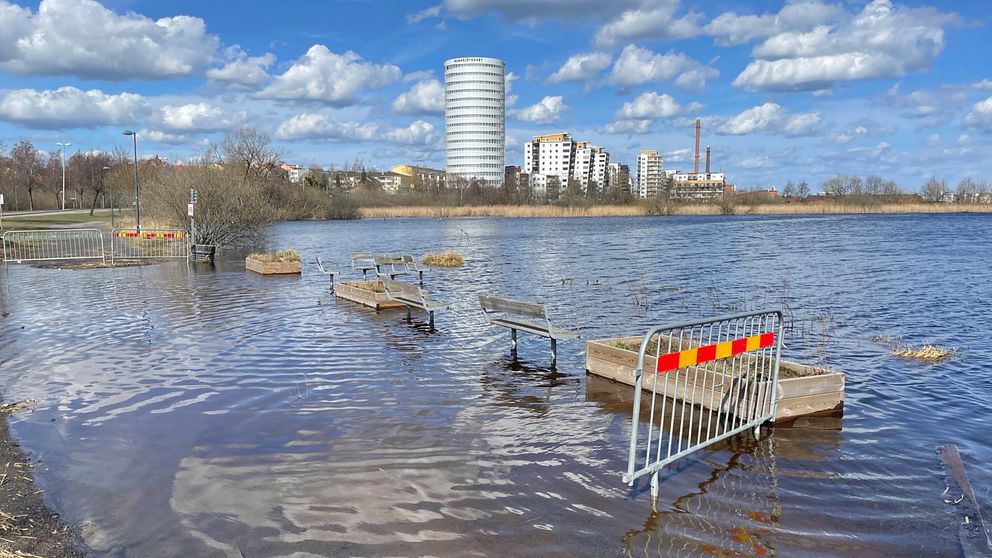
(707, 161)
(695, 165)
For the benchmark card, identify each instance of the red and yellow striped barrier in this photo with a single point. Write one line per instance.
(727, 349)
(149, 235)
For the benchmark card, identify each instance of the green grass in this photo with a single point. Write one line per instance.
(24, 222)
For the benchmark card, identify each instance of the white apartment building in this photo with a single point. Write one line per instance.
(543, 184)
(297, 173)
(474, 119)
(618, 178)
(590, 165)
(650, 174)
(690, 186)
(552, 154)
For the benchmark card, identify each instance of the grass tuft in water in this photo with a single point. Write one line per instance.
(443, 259)
(281, 257)
(925, 353)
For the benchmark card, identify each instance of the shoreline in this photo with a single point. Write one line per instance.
(28, 527)
(548, 211)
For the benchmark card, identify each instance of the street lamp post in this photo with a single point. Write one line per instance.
(137, 194)
(62, 147)
(104, 170)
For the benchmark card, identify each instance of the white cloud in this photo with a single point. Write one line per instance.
(421, 75)
(242, 69)
(310, 125)
(881, 41)
(158, 136)
(581, 67)
(980, 116)
(640, 126)
(770, 117)
(638, 65)
(508, 80)
(650, 105)
(84, 39)
(533, 11)
(649, 23)
(862, 128)
(417, 133)
(321, 75)
(759, 162)
(69, 107)
(984, 85)
(425, 97)
(426, 13)
(546, 111)
(930, 107)
(732, 29)
(199, 117)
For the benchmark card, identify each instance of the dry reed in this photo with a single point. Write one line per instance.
(443, 259)
(281, 257)
(371, 286)
(925, 353)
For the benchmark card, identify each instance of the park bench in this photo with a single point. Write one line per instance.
(390, 266)
(329, 272)
(413, 297)
(412, 265)
(362, 261)
(529, 317)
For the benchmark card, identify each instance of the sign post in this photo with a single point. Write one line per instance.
(189, 212)
(1, 211)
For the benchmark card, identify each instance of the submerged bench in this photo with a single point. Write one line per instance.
(413, 297)
(514, 314)
(411, 264)
(390, 265)
(362, 261)
(329, 272)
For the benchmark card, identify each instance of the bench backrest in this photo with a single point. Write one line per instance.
(361, 259)
(387, 260)
(320, 264)
(361, 255)
(511, 306)
(399, 287)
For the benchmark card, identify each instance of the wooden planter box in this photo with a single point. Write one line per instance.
(272, 268)
(356, 291)
(802, 390)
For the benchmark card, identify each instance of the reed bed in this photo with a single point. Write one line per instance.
(443, 259)
(636, 210)
(281, 257)
(926, 353)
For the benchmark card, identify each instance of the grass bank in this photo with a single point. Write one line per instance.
(656, 209)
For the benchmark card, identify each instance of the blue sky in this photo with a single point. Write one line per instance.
(786, 90)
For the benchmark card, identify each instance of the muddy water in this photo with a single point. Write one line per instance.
(213, 412)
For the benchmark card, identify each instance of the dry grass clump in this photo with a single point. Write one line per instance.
(17, 406)
(371, 286)
(925, 353)
(443, 259)
(281, 257)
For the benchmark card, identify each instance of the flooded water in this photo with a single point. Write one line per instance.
(214, 412)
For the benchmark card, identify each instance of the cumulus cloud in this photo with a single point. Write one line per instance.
(637, 65)
(84, 39)
(69, 107)
(425, 97)
(929, 107)
(882, 41)
(321, 75)
(862, 128)
(639, 126)
(732, 29)
(770, 117)
(546, 111)
(417, 133)
(158, 136)
(199, 117)
(533, 11)
(311, 125)
(650, 105)
(241, 69)
(508, 80)
(426, 13)
(658, 22)
(759, 162)
(581, 67)
(980, 116)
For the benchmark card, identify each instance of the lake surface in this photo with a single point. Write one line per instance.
(214, 412)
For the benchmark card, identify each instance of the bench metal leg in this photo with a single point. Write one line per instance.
(408, 317)
(431, 325)
(513, 344)
(554, 353)
(332, 282)
(364, 275)
(421, 278)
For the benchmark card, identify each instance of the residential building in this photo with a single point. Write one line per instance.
(544, 185)
(550, 155)
(650, 174)
(691, 186)
(422, 179)
(618, 179)
(474, 119)
(296, 173)
(590, 166)
(391, 182)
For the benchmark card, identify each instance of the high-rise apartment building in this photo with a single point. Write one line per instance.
(650, 174)
(590, 166)
(550, 155)
(474, 119)
(619, 178)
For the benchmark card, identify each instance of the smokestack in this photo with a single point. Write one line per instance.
(707, 160)
(695, 165)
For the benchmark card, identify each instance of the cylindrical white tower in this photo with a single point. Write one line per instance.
(474, 119)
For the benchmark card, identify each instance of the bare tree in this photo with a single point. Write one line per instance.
(803, 189)
(249, 151)
(855, 186)
(967, 191)
(789, 189)
(27, 161)
(933, 191)
(835, 186)
(874, 185)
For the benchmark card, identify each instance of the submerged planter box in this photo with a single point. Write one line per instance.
(365, 292)
(802, 390)
(272, 268)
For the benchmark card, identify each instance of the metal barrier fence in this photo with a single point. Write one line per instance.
(45, 245)
(149, 243)
(705, 381)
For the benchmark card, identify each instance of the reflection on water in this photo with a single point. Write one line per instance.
(212, 412)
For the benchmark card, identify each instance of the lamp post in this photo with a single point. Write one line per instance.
(62, 147)
(137, 194)
(104, 170)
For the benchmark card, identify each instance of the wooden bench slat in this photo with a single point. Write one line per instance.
(533, 309)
